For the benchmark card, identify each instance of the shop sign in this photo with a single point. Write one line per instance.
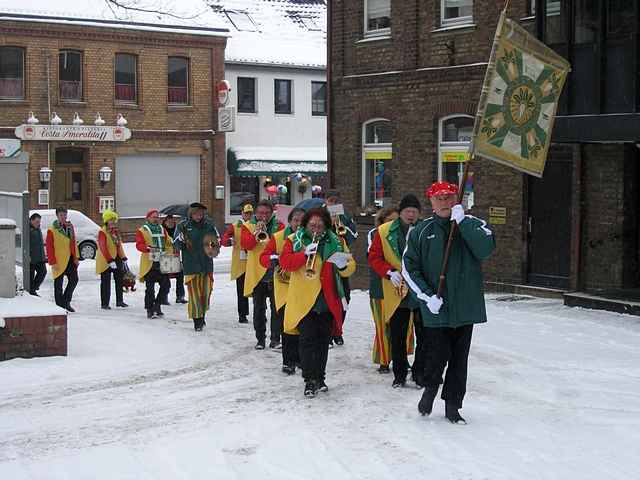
(227, 119)
(73, 133)
(454, 156)
(497, 215)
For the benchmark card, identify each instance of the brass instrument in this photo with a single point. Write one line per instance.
(283, 275)
(402, 290)
(211, 245)
(341, 230)
(261, 232)
(310, 271)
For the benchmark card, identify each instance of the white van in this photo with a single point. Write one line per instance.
(86, 230)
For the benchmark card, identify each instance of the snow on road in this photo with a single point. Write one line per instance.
(553, 393)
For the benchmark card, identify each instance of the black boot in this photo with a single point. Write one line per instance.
(425, 405)
(384, 369)
(309, 390)
(243, 319)
(151, 313)
(198, 324)
(452, 414)
(158, 310)
(121, 305)
(181, 300)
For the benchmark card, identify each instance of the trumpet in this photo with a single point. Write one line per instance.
(211, 245)
(261, 232)
(402, 290)
(310, 271)
(283, 275)
(341, 230)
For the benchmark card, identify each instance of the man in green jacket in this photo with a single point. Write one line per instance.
(449, 319)
(198, 240)
(36, 252)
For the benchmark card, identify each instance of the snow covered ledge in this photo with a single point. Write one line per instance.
(31, 327)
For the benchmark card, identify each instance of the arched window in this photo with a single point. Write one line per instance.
(454, 133)
(376, 163)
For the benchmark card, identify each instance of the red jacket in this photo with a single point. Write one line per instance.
(51, 251)
(102, 245)
(228, 235)
(141, 244)
(376, 257)
(265, 256)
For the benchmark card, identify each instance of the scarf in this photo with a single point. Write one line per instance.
(157, 237)
(65, 229)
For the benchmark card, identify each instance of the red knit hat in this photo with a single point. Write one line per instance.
(151, 212)
(442, 188)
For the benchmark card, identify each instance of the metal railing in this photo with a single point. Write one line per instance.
(15, 206)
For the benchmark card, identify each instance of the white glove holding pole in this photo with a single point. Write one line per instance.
(112, 265)
(339, 259)
(434, 303)
(457, 213)
(311, 249)
(395, 277)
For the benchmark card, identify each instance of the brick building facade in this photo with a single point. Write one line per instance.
(405, 78)
(161, 78)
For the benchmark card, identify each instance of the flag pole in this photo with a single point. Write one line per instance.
(476, 128)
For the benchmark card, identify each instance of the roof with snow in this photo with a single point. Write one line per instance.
(194, 17)
(275, 32)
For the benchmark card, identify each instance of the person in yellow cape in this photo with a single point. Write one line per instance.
(270, 258)
(400, 307)
(315, 301)
(195, 237)
(231, 238)
(152, 239)
(258, 282)
(62, 254)
(110, 259)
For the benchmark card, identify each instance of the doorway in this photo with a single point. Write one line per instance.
(69, 185)
(549, 222)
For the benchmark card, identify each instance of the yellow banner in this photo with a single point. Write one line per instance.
(377, 155)
(452, 156)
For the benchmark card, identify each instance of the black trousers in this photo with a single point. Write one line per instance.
(179, 287)
(290, 346)
(243, 302)
(63, 298)
(417, 369)
(315, 332)
(262, 292)
(154, 276)
(448, 346)
(105, 284)
(399, 325)
(37, 273)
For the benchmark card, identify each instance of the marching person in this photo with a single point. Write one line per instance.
(198, 240)
(169, 223)
(400, 308)
(270, 257)
(448, 319)
(152, 240)
(231, 238)
(38, 262)
(381, 354)
(110, 258)
(259, 280)
(62, 254)
(344, 226)
(315, 301)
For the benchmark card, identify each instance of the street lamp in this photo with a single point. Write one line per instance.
(105, 175)
(45, 176)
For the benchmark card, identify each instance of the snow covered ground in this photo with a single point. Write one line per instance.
(554, 393)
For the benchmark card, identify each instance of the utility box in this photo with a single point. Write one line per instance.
(8, 258)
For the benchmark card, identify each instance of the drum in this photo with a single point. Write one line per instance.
(154, 254)
(170, 264)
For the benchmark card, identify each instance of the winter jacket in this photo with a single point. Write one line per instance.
(36, 245)
(463, 294)
(194, 260)
(238, 256)
(61, 247)
(375, 282)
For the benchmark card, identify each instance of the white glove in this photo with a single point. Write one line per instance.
(395, 277)
(339, 261)
(434, 303)
(311, 249)
(457, 213)
(274, 257)
(113, 266)
(232, 242)
(179, 238)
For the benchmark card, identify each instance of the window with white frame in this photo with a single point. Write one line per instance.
(454, 135)
(456, 12)
(377, 17)
(376, 163)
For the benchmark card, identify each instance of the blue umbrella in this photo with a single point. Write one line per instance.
(310, 203)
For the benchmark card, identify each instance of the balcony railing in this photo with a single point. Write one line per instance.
(70, 90)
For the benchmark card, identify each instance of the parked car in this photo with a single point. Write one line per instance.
(86, 230)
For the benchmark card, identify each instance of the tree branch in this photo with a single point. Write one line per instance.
(133, 6)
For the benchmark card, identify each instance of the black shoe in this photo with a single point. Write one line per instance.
(384, 369)
(289, 369)
(339, 341)
(150, 313)
(164, 302)
(105, 307)
(260, 345)
(35, 294)
(309, 390)
(398, 383)
(452, 414)
(322, 387)
(243, 319)
(275, 345)
(419, 380)
(69, 308)
(159, 311)
(122, 305)
(198, 324)
(181, 300)
(425, 405)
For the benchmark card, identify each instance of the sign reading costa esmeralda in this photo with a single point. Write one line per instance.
(73, 133)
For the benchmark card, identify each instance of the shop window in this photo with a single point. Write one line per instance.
(455, 134)
(376, 160)
(282, 95)
(11, 73)
(377, 17)
(243, 190)
(126, 78)
(319, 98)
(178, 81)
(456, 12)
(246, 95)
(70, 75)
